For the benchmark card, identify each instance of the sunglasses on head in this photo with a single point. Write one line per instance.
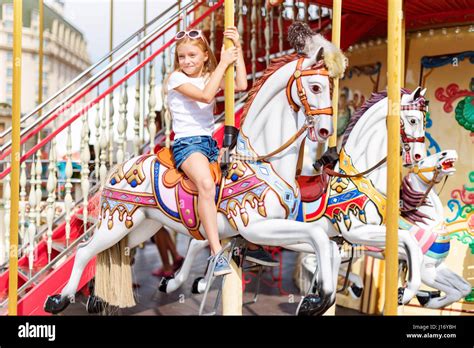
(192, 34)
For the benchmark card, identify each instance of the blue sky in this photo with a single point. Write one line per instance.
(93, 19)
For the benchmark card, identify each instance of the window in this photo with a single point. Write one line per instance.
(8, 24)
(9, 101)
(8, 11)
(9, 72)
(9, 56)
(10, 39)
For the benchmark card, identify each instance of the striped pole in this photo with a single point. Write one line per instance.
(394, 76)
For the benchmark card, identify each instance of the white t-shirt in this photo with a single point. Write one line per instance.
(190, 117)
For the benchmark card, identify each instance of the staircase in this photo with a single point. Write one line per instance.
(48, 236)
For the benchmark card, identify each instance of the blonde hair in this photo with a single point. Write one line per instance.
(211, 63)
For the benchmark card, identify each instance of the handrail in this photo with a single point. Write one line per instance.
(108, 90)
(92, 67)
(91, 84)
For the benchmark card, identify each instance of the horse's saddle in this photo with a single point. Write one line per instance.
(313, 187)
(172, 176)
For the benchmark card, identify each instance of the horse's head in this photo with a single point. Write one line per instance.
(309, 89)
(436, 167)
(412, 126)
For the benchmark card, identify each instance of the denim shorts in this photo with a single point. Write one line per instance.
(184, 147)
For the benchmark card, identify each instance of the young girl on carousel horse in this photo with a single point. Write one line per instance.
(192, 88)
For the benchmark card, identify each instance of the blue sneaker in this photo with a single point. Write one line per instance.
(222, 266)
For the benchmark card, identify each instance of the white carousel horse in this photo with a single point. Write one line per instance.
(422, 214)
(354, 205)
(257, 199)
(366, 199)
(428, 221)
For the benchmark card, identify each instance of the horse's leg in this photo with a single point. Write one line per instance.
(168, 285)
(282, 232)
(102, 239)
(375, 235)
(442, 278)
(336, 265)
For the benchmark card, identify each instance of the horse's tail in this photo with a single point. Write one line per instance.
(113, 277)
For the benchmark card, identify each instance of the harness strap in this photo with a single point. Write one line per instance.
(280, 149)
(299, 164)
(358, 175)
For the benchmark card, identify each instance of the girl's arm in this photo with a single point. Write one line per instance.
(241, 72)
(209, 92)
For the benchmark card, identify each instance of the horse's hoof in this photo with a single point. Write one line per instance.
(164, 284)
(424, 297)
(55, 304)
(195, 288)
(95, 305)
(355, 291)
(312, 305)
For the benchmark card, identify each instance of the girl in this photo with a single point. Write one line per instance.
(192, 88)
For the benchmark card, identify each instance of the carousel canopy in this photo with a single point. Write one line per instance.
(365, 20)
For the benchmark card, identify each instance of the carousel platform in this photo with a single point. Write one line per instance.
(275, 297)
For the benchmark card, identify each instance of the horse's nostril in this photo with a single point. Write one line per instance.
(417, 157)
(323, 132)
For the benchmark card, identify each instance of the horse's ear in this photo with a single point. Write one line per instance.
(416, 94)
(422, 93)
(319, 54)
(314, 58)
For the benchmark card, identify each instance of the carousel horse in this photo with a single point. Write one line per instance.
(428, 221)
(333, 204)
(422, 214)
(258, 198)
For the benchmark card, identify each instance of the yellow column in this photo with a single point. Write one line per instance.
(394, 77)
(229, 92)
(232, 288)
(40, 53)
(336, 40)
(15, 158)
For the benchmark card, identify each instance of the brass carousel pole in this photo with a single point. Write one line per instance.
(232, 287)
(230, 132)
(336, 40)
(15, 159)
(394, 76)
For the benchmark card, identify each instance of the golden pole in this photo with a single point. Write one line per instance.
(229, 130)
(336, 40)
(394, 76)
(232, 287)
(15, 158)
(111, 35)
(40, 54)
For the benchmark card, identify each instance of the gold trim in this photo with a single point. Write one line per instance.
(363, 184)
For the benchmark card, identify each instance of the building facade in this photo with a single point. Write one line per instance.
(65, 52)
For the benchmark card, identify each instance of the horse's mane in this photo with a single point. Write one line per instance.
(374, 98)
(411, 199)
(276, 64)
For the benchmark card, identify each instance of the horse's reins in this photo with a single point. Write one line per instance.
(416, 170)
(309, 112)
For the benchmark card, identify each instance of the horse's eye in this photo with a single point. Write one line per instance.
(316, 88)
(413, 121)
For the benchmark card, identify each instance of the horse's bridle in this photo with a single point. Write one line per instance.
(296, 77)
(406, 139)
(319, 69)
(419, 172)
